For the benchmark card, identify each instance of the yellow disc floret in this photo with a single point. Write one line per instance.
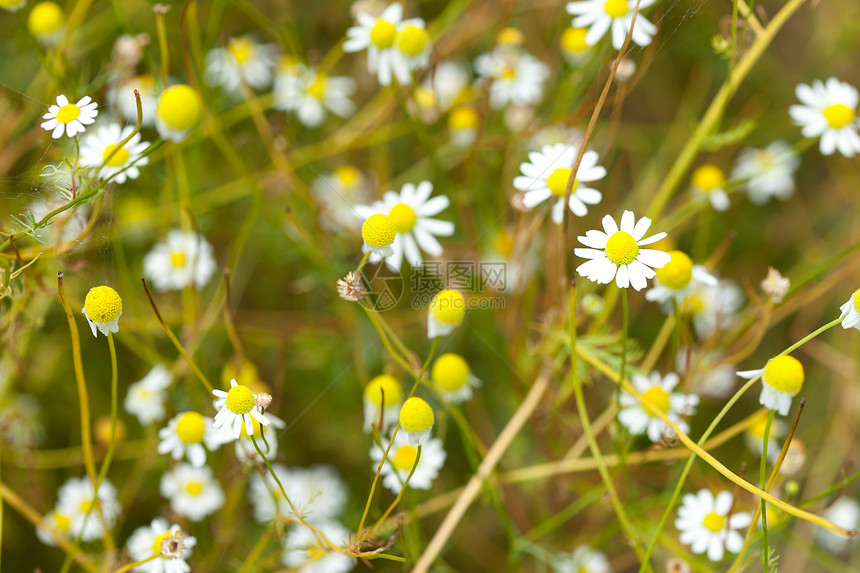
(240, 399)
(463, 118)
(378, 231)
(194, 487)
(45, 18)
(838, 115)
(621, 248)
(103, 304)
(709, 177)
(248, 375)
(557, 181)
(412, 40)
(784, 374)
(179, 107)
(68, 113)
(317, 88)
(382, 34)
(190, 428)
(616, 8)
(156, 545)
(676, 274)
(450, 372)
(403, 217)
(856, 299)
(448, 307)
(348, 175)
(404, 457)
(242, 49)
(63, 522)
(416, 416)
(178, 259)
(658, 398)
(715, 522)
(510, 37)
(384, 387)
(114, 155)
(573, 40)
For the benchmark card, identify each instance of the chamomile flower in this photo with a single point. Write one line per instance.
(244, 447)
(851, 312)
(377, 35)
(412, 49)
(102, 308)
(382, 392)
(12, 5)
(185, 436)
(676, 278)
(147, 541)
(304, 552)
(583, 560)
(101, 150)
(69, 118)
(184, 258)
(121, 98)
(445, 86)
(453, 379)
(416, 419)
(709, 375)
(546, 174)
(242, 60)
(767, 172)
(75, 498)
(516, 77)
(317, 493)
(401, 458)
(46, 22)
(177, 112)
(410, 213)
(446, 312)
(236, 405)
(708, 182)
(573, 46)
(601, 15)
(145, 398)
(193, 492)
(829, 111)
(616, 253)
(781, 380)
(309, 93)
(378, 233)
(657, 391)
(463, 123)
(336, 193)
(55, 524)
(754, 437)
(844, 512)
(703, 524)
(712, 307)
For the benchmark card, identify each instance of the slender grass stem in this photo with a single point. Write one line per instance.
(765, 555)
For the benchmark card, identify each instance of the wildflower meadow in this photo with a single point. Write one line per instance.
(430, 285)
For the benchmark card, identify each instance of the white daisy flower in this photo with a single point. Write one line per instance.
(851, 312)
(304, 552)
(102, 309)
(754, 437)
(781, 380)
(185, 435)
(145, 398)
(463, 123)
(445, 86)
(147, 540)
(709, 182)
(75, 498)
(236, 405)
(767, 172)
(412, 49)
(574, 47)
(183, 258)
(336, 193)
(583, 560)
(242, 60)
(703, 524)
(382, 392)
(657, 391)
(310, 93)
(244, 447)
(318, 494)
(545, 176)
(193, 492)
(616, 254)
(516, 77)
(101, 150)
(845, 512)
(453, 379)
(378, 36)
(402, 457)
(677, 278)
(446, 312)
(69, 118)
(829, 111)
(55, 523)
(411, 212)
(121, 98)
(601, 15)
(712, 307)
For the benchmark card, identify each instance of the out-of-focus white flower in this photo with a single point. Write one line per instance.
(120, 96)
(309, 93)
(193, 492)
(336, 194)
(317, 493)
(583, 560)
(767, 172)
(75, 499)
(377, 35)
(304, 552)
(183, 258)
(676, 279)
(516, 77)
(845, 512)
(145, 398)
(100, 149)
(401, 459)
(657, 391)
(709, 182)
(243, 59)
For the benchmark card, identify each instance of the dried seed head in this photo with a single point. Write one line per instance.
(173, 546)
(350, 287)
(263, 400)
(775, 285)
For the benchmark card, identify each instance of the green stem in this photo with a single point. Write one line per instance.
(762, 477)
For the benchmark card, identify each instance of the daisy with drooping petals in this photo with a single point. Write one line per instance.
(583, 560)
(378, 233)
(444, 87)
(75, 501)
(411, 212)
(70, 118)
(767, 172)
(193, 492)
(547, 173)
(781, 379)
(446, 312)
(317, 493)
(516, 77)
(145, 398)
(242, 60)
(573, 46)
(601, 15)
(851, 312)
(453, 379)
(151, 539)
(309, 93)
(703, 524)
(378, 36)
(336, 193)
(185, 435)
(101, 150)
(657, 391)
(677, 278)
(412, 49)
(616, 254)
(402, 457)
(829, 111)
(236, 405)
(177, 112)
(304, 552)
(184, 258)
(102, 309)
(383, 397)
(47, 23)
(709, 181)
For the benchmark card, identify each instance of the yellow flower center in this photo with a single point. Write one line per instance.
(347, 174)
(258, 429)
(156, 545)
(103, 304)
(86, 505)
(450, 372)
(573, 39)
(448, 307)
(658, 398)
(190, 428)
(242, 49)
(504, 243)
(62, 521)
(247, 375)
(557, 181)
(715, 522)
(178, 259)
(621, 248)
(45, 18)
(757, 428)
(194, 487)
(838, 115)
(416, 416)
(118, 159)
(676, 274)
(382, 34)
(179, 107)
(317, 88)
(68, 113)
(412, 40)
(405, 457)
(616, 8)
(240, 399)
(463, 118)
(693, 304)
(509, 73)
(708, 178)
(403, 217)
(784, 374)
(384, 385)
(856, 299)
(316, 552)
(378, 231)
(510, 37)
